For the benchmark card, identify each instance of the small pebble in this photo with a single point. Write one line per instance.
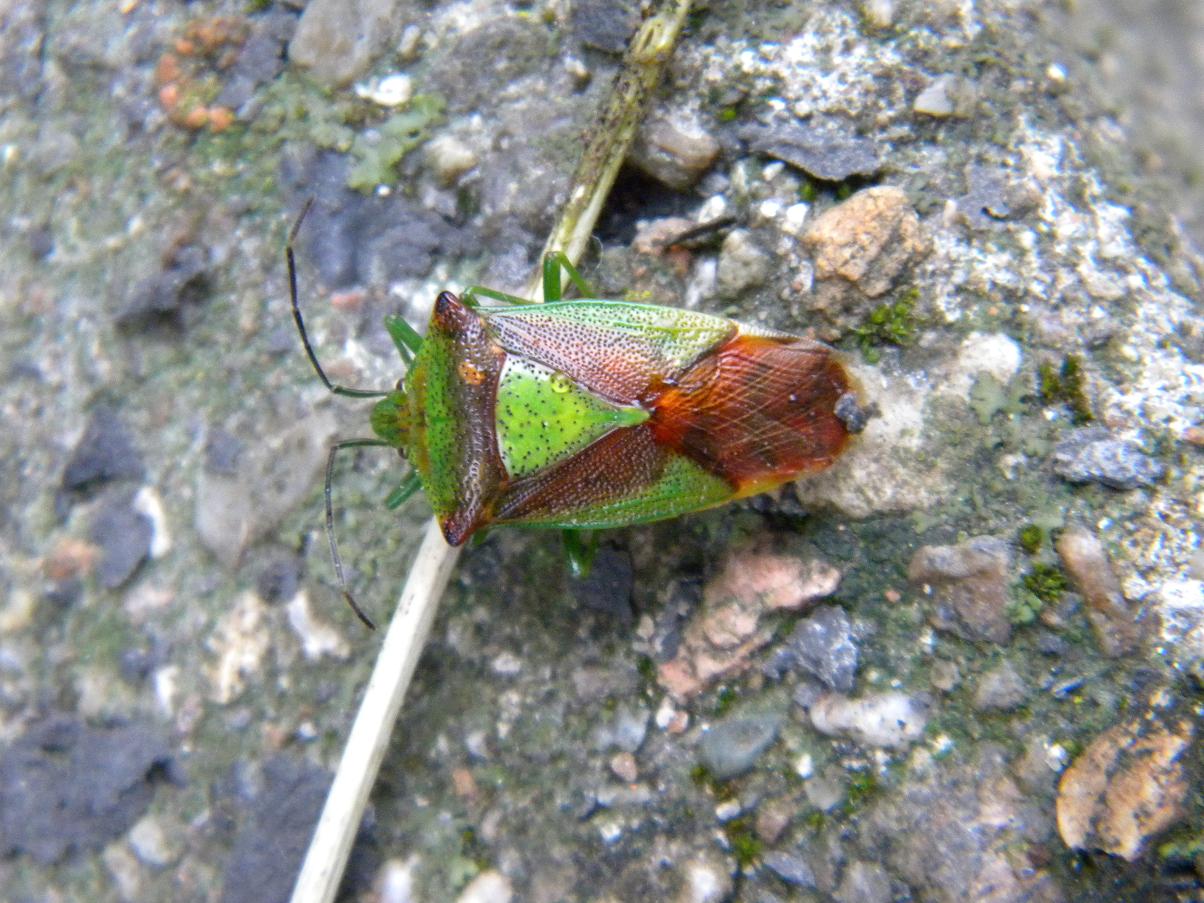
(1001, 689)
(732, 747)
(790, 867)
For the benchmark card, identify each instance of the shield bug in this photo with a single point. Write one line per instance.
(584, 414)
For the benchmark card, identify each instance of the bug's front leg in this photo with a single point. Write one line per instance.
(552, 289)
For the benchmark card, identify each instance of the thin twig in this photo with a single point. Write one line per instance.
(326, 858)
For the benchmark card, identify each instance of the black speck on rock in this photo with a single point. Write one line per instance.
(66, 786)
(271, 844)
(608, 587)
(124, 536)
(106, 452)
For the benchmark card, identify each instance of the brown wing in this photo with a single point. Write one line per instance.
(757, 411)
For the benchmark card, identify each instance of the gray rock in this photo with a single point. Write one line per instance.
(823, 645)
(742, 264)
(105, 452)
(732, 747)
(338, 39)
(235, 510)
(828, 152)
(66, 786)
(790, 867)
(624, 730)
(124, 536)
(1094, 455)
(864, 882)
(674, 149)
(1002, 688)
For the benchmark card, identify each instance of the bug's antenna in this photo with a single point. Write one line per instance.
(290, 259)
(334, 546)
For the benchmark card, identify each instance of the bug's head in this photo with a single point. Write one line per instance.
(391, 419)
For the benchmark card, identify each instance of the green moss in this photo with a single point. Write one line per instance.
(725, 699)
(1030, 537)
(746, 847)
(1041, 586)
(895, 323)
(1046, 582)
(1066, 385)
(862, 786)
(647, 669)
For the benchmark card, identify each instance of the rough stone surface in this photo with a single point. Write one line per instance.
(233, 511)
(730, 627)
(1129, 785)
(278, 821)
(826, 152)
(68, 787)
(861, 249)
(105, 452)
(969, 583)
(822, 644)
(123, 534)
(952, 832)
(1093, 455)
(674, 149)
(1000, 689)
(742, 265)
(1113, 619)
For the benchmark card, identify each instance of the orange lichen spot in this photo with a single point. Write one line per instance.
(196, 118)
(220, 118)
(184, 47)
(169, 97)
(167, 69)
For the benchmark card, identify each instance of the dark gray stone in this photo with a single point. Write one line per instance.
(106, 452)
(271, 844)
(823, 645)
(66, 786)
(608, 586)
(827, 152)
(124, 536)
(1094, 455)
(164, 299)
(732, 747)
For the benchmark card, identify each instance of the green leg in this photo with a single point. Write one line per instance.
(470, 295)
(404, 336)
(552, 289)
(404, 490)
(580, 547)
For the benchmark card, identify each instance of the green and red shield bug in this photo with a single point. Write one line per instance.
(586, 414)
